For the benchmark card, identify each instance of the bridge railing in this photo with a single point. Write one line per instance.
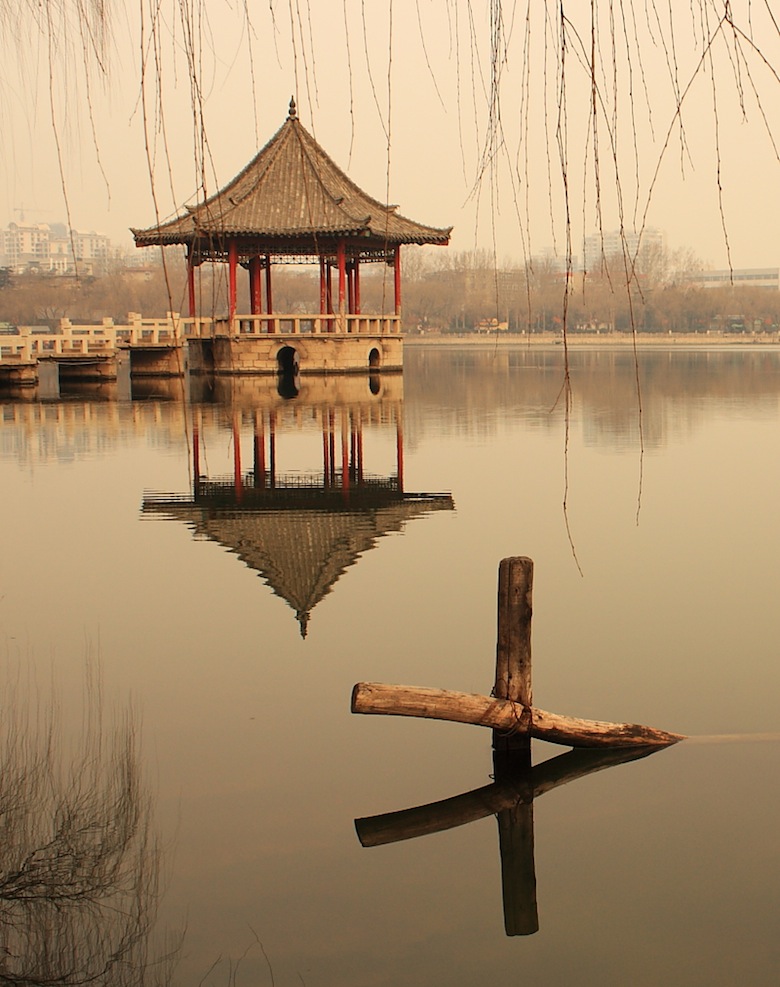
(28, 346)
(15, 349)
(295, 324)
(30, 343)
(155, 332)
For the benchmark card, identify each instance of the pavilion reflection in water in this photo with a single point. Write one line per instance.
(301, 531)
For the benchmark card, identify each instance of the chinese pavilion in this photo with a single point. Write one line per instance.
(293, 204)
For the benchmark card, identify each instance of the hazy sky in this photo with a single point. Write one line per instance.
(421, 72)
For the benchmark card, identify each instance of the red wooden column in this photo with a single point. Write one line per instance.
(272, 447)
(356, 275)
(269, 304)
(255, 286)
(344, 452)
(191, 284)
(323, 289)
(353, 446)
(195, 454)
(325, 452)
(237, 482)
(351, 288)
(360, 447)
(232, 268)
(399, 447)
(332, 443)
(259, 449)
(341, 256)
(329, 291)
(397, 273)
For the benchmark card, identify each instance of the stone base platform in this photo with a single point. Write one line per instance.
(272, 353)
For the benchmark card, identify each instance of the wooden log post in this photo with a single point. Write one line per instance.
(513, 649)
(512, 747)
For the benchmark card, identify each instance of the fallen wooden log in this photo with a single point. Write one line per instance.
(503, 715)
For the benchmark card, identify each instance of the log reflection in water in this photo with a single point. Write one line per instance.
(80, 864)
(510, 798)
(513, 786)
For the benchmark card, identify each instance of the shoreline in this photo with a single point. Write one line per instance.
(594, 339)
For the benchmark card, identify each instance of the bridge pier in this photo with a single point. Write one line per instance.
(22, 374)
(48, 381)
(155, 359)
(92, 368)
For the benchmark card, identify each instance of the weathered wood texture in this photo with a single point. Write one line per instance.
(502, 715)
(513, 646)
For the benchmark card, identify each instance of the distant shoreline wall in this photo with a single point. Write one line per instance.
(604, 339)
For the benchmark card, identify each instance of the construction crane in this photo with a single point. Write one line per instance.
(21, 211)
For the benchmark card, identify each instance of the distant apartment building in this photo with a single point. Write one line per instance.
(93, 249)
(745, 277)
(25, 246)
(600, 247)
(40, 247)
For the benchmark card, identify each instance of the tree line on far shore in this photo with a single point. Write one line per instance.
(443, 291)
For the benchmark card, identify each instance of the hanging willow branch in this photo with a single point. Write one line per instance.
(583, 105)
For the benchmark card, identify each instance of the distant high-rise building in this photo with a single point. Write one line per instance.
(91, 248)
(600, 247)
(25, 245)
(40, 247)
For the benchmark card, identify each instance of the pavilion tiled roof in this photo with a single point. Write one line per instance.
(291, 189)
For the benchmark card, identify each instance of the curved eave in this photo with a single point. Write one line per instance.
(438, 238)
(152, 238)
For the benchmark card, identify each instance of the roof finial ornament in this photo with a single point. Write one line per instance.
(293, 112)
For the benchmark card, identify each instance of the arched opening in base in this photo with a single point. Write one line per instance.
(374, 359)
(287, 361)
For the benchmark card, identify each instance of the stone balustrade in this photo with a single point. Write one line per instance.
(292, 325)
(31, 343)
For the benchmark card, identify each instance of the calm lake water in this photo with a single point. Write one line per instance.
(191, 602)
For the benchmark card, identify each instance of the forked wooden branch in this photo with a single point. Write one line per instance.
(503, 715)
